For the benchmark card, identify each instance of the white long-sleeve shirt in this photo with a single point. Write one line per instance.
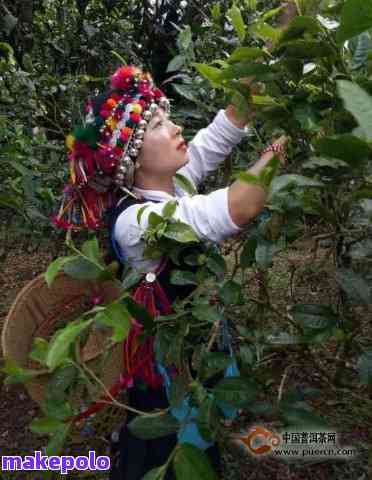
(208, 215)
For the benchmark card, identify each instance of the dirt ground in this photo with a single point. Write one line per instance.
(349, 413)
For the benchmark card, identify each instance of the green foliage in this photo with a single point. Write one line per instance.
(147, 428)
(190, 462)
(62, 341)
(356, 17)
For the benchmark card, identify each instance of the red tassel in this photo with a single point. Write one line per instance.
(139, 360)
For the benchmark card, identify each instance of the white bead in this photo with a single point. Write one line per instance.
(142, 124)
(150, 277)
(138, 143)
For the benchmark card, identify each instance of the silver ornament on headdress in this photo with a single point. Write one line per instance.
(133, 152)
(139, 133)
(126, 169)
(137, 144)
(164, 103)
(153, 108)
(147, 115)
(129, 174)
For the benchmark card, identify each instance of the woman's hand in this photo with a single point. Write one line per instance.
(277, 148)
(239, 121)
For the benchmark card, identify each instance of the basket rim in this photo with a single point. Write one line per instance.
(10, 313)
(39, 280)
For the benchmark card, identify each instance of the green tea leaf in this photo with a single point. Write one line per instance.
(131, 278)
(82, 269)
(180, 277)
(285, 182)
(176, 63)
(59, 411)
(246, 53)
(169, 209)
(319, 162)
(267, 174)
(45, 425)
(178, 390)
(55, 267)
(216, 264)
(181, 232)
(216, 11)
(140, 212)
(346, 147)
(39, 350)
(235, 391)
(62, 341)
(58, 439)
(212, 74)
(230, 292)
(208, 420)
(213, 363)
(184, 183)
(206, 313)
(356, 17)
(246, 69)
(315, 317)
(90, 249)
(298, 27)
(186, 91)
(157, 473)
(358, 102)
(192, 463)
(17, 374)
(237, 21)
(265, 31)
(185, 38)
(155, 219)
(139, 312)
(264, 254)
(117, 317)
(148, 428)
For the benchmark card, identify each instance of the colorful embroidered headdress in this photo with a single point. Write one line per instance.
(102, 152)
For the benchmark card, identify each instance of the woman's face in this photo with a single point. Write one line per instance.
(164, 150)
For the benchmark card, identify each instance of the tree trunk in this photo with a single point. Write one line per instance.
(22, 35)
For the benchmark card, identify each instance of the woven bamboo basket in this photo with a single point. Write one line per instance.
(38, 311)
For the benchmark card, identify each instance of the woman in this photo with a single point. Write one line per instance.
(129, 144)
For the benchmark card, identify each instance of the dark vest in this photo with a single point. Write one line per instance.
(172, 291)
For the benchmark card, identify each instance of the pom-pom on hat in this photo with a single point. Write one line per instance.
(103, 151)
